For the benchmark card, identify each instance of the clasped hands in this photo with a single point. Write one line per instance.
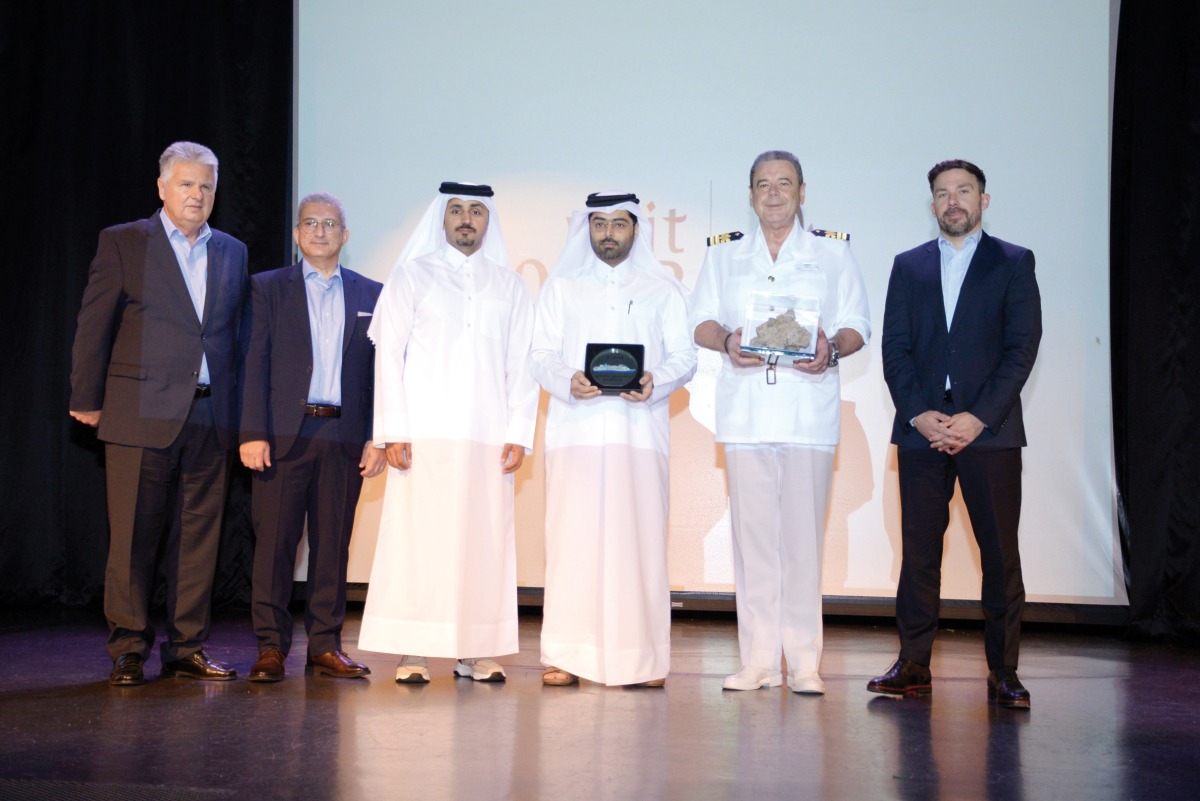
(948, 433)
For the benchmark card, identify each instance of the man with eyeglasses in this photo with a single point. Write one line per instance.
(456, 408)
(607, 611)
(154, 367)
(306, 432)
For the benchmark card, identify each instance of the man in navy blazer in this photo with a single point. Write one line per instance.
(154, 367)
(960, 334)
(306, 432)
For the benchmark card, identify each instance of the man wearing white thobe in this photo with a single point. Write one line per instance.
(607, 612)
(456, 406)
(779, 427)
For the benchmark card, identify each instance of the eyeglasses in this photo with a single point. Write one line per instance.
(311, 224)
(616, 225)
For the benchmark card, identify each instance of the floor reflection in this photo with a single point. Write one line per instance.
(1109, 720)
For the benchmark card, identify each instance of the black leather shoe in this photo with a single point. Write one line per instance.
(268, 667)
(198, 666)
(336, 664)
(1005, 689)
(127, 671)
(904, 677)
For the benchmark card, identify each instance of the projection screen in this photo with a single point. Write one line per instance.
(547, 101)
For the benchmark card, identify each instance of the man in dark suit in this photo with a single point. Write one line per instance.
(306, 431)
(960, 334)
(155, 367)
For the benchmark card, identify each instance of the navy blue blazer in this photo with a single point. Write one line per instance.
(138, 341)
(279, 360)
(988, 349)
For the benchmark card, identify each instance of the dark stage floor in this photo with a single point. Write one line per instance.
(1110, 720)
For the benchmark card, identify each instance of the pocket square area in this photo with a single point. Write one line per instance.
(364, 314)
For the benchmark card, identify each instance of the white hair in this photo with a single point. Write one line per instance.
(186, 152)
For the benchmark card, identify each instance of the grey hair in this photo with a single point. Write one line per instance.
(188, 152)
(776, 155)
(323, 197)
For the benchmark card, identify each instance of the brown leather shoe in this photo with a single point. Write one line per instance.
(269, 666)
(336, 664)
(1005, 689)
(904, 677)
(127, 671)
(198, 666)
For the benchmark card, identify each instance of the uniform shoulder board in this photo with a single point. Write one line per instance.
(721, 239)
(831, 234)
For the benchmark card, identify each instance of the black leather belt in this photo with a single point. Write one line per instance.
(203, 391)
(948, 397)
(321, 410)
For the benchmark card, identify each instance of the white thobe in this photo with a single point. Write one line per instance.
(779, 439)
(451, 377)
(607, 610)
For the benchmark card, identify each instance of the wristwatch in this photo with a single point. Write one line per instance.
(835, 355)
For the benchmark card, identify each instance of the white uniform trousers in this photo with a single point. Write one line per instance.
(778, 493)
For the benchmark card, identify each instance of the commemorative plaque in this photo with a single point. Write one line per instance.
(614, 368)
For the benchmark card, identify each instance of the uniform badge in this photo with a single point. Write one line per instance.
(721, 239)
(831, 234)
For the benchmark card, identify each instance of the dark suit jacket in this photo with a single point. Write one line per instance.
(138, 342)
(988, 349)
(279, 361)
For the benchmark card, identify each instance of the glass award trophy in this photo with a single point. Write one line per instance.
(614, 368)
(781, 326)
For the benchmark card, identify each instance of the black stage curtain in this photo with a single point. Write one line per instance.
(1155, 280)
(94, 91)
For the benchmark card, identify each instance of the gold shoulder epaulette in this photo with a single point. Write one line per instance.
(721, 239)
(831, 234)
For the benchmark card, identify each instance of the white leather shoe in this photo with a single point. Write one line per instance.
(480, 670)
(412, 670)
(808, 683)
(752, 678)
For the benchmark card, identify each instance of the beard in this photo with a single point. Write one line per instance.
(465, 236)
(612, 255)
(958, 225)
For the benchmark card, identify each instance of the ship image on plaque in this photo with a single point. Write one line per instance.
(614, 368)
(781, 324)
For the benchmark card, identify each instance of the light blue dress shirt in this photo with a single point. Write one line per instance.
(327, 323)
(193, 263)
(955, 262)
